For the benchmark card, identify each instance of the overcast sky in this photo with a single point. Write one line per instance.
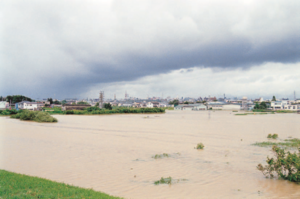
(172, 48)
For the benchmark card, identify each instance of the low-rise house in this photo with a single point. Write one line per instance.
(126, 105)
(231, 107)
(149, 105)
(4, 105)
(279, 105)
(163, 105)
(290, 107)
(55, 105)
(215, 105)
(223, 106)
(66, 107)
(136, 105)
(155, 104)
(190, 107)
(30, 105)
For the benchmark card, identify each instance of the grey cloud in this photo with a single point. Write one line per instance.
(69, 47)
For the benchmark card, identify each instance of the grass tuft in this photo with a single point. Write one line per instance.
(200, 146)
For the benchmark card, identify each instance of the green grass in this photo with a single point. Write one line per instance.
(98, 111)
(241, 114)
(200, 146)
(158, 156)
(14, 185)
(37, 116)
(273, 111)
(289, 143)
(286, 111)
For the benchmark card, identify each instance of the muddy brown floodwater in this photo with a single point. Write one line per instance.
(113, 153)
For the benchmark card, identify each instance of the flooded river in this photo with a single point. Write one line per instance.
(113, 153)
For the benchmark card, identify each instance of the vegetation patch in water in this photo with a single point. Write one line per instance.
(289, 143)
(285, 165)
(200, 146)
(158, 156)
(274, 136)
(168, 180)
(241, 114)
(14, 185)
(36, 116)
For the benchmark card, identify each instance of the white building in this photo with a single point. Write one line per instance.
(223, 106)
(4, 105)
(284, 105)
(190, 107)
(290, 107)
(149, 105)
(30, 105)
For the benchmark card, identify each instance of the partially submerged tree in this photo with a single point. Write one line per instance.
(285, 165)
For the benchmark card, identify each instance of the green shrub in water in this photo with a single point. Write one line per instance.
(285, 164)
(157, 156)
(164, 181)
(36, 116)
(274, 136)
(200, 146)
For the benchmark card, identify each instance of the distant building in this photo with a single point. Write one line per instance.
(284, 105)
(190, 107)
(4, 105)
(30, 105)
(149, 105)
(66, 107)
(223, 106)
(155, 104)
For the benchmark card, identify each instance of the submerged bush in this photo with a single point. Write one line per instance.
(285, 164)
(200, 146)
(36, 116)
(274, 136)
(164, 181)
(157, 156)
(44, 117)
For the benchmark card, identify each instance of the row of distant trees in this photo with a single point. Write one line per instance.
(16, 98)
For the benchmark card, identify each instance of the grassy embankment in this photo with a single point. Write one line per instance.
(274, 111)
(97, 111)
(264, 112)
(14, 185)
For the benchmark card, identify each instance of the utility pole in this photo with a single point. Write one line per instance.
(294, 95)
(101, 99)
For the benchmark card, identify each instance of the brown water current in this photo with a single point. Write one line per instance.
(113, 153)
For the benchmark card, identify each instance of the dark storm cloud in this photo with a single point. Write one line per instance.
(65, 48)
